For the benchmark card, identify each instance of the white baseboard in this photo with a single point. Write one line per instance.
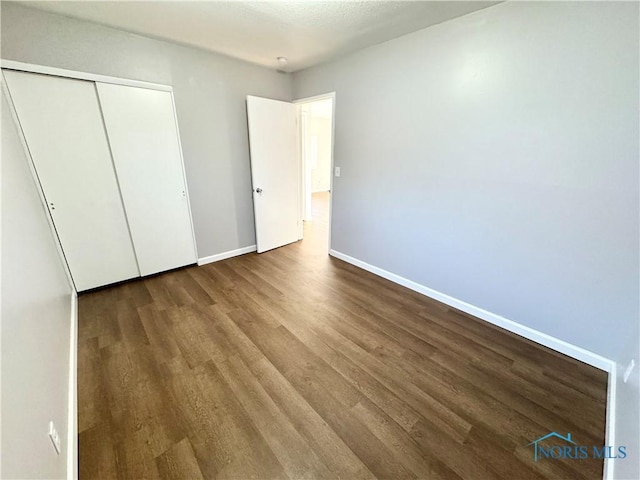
(556, 344)
(225, 255)
(610, 422)
(72, 415)
(549, 341)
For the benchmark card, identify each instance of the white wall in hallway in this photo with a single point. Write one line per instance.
(320, 127)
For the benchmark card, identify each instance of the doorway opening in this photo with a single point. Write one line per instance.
(316, 132)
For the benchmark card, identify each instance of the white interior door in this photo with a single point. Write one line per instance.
(274, 171)
(61, 121)
(144, 142)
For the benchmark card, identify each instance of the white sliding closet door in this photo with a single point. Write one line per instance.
(144, 142)
(61, 121)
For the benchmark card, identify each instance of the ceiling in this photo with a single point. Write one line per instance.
(307, 32)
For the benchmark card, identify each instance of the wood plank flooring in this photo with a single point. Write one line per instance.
(292, 364)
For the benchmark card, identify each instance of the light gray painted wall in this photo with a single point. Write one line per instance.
(210, 92)
(36, 315)
(494, 158)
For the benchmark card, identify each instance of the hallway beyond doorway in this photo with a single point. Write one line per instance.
(316, 231)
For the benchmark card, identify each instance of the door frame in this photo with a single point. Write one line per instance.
(301, 158)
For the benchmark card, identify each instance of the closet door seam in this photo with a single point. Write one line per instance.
(115, 172)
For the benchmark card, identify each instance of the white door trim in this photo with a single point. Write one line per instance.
(315, 98)
(93, 77)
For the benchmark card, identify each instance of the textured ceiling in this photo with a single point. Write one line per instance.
(306, 32)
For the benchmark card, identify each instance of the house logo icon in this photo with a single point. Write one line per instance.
(545, 437)
(563, 447)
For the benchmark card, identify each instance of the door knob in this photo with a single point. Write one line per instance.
(258, 190)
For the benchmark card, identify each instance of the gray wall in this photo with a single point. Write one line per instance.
(210, 92)
(494, 158)
(36, 323)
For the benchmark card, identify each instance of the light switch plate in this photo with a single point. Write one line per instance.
(627, 372)
(55, 438)
(337, 171)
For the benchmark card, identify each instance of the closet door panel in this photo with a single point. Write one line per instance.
(144, 142)
(63, 127)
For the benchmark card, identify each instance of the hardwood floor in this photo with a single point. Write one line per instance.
(292, 364)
